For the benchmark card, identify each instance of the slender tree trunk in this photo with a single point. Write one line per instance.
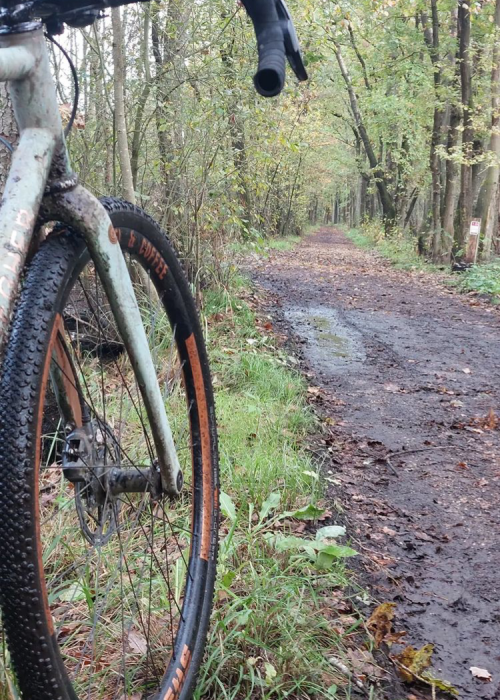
(465, 202)
(167, 50)
(146, 89)
(120, 123)
(237, 133)
(451, 186)
(432, 41)
(389, 212)
(490, 220)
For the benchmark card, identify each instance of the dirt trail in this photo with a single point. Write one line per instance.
(412, 370)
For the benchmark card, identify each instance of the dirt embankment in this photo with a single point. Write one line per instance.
(413, 375)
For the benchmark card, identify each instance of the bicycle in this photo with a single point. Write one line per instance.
(108, 509)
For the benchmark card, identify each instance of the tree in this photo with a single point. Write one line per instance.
(120, 121)
(490, 200)
(377, 171)
(465, 200)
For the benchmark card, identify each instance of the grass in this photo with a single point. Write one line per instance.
(399, 250)
(275, 617)
(263, 245)
(402, 253)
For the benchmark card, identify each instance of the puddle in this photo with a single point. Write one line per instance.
(330, 345)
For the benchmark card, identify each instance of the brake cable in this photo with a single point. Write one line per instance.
(75, 82)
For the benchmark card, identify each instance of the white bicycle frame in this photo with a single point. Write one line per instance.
(40, 181)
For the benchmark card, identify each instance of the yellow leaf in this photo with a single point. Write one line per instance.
(412, 664)
(414, 661)
(380, 622)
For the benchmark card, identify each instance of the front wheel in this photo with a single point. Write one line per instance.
(106, 585)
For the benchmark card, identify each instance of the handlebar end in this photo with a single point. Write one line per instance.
(268, 82)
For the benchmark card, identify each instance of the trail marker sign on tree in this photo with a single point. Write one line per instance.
(473, 241)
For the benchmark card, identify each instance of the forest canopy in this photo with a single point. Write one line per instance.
(398, 122)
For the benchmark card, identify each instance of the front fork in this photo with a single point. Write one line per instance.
(81, 210)
(40, 167)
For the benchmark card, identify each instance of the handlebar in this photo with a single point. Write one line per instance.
(276, 41)
(274, 30)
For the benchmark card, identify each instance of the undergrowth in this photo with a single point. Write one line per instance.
(401, 251)
(262, 245)
(276, 615)
(484, 279)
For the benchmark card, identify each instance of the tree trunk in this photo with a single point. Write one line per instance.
(450, 192)
(120, 123)
(432, 40)
(489, 222)
(146, 89)
(388, 209)
(167, 45)
(237, 133)
(465, 202)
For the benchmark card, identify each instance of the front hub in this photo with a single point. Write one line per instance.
(91, 461)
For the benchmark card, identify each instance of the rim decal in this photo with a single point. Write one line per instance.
(175, 688)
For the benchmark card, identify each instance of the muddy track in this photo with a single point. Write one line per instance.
(411, 375)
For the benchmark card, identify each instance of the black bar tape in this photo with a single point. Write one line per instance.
(270, 77)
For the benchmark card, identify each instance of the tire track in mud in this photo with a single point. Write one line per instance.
(413, 371)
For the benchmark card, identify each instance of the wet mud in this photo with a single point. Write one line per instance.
(410, 377)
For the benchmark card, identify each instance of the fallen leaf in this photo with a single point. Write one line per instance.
(271, 673)
(423, 536)
(326, 516)
(491, 420)
(411, 662)
(363, 664)
(438, 683)
(380, 622)
(137, 642)
(481, 673)
(393, 388)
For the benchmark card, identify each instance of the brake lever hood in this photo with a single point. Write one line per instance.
(292, 46)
